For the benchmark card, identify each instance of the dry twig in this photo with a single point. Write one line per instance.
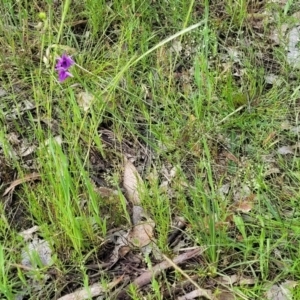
(94, 290)
(146, 277)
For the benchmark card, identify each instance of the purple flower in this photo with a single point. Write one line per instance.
(64, 62)
(62, 67)
(63, 74)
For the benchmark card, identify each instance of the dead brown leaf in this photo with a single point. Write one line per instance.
(141, 234)
(131, 182)
(244, 206)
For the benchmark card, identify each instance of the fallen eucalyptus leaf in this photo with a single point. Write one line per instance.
(131, 182)
(142, 232)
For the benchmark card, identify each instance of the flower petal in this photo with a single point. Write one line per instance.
(65, 62)
(63, 75)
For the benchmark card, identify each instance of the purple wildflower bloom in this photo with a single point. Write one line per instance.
(64, 62)
(63, 74)
(62, 67)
